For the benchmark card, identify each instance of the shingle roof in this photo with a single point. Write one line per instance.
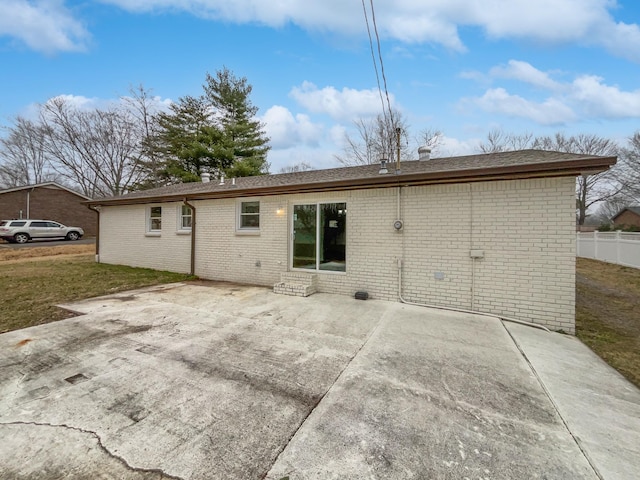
(45, 185)
(634, 208)
(504, 165)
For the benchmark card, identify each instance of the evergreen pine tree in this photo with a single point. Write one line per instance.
(214, 133)
(229, 97)
(191, 141)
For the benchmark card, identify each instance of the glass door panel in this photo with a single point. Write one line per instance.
(332, 249)
(304, 236)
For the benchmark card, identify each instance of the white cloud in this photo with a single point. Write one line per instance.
(551, 111)
(474, 75)
(525, 72)
(46, 25)
(318, 157)
(452, 147)
(583, 98)
(285, 130)
(43, 25)
(343, 105)
(83, 103)
(337, 134)
(600, 100)
(586, 22)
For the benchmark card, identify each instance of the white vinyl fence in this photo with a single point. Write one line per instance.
(622, 248)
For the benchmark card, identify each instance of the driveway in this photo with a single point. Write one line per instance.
(45, 242)
(219, 381)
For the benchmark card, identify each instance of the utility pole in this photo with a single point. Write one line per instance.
(398, 133)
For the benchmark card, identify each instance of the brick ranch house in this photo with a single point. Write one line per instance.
(628, 217)
(492, 233)
(48, 201)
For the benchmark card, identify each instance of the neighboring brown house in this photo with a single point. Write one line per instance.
(48, 201)
(629, 217)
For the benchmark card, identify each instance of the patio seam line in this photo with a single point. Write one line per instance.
(373, 330)
(575, 438)
(100, 444)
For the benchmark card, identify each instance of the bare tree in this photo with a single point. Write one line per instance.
(298, 167)
(116, 149)
(67, 151)
(628, 173)
(500, 141)
(431, 138)
(590, 189)
(145, 108)
(99, 150)
(24, 161)
(612, 206)
(377, 138)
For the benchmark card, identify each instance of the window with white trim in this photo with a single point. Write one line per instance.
(185, 218)
(154, 219)
(249, 215)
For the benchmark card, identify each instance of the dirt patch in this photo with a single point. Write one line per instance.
(607, 320)
(19, 254)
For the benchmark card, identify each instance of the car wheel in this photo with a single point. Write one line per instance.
(73, 236)
(21, 238)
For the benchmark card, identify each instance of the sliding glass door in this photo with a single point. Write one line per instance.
(319, 236)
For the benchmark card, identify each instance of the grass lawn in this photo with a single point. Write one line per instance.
(31, 287)
(608, 313)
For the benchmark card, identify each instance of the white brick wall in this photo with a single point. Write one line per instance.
(525, 228)
(124, 239)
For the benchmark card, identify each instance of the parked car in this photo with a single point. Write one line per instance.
(24, 230)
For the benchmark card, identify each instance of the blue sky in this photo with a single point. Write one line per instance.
(463, 67)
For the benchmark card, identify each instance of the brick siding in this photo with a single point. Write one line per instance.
(124, 238)
(627, 219)
(49, 203)
(525, 229)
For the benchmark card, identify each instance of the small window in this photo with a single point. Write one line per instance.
(249, 215)
(21, 223)
(155, 219)
(186, 216)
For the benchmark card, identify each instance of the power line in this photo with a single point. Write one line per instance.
(373, 57)
(384, 78)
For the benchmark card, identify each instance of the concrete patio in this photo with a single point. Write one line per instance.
(213, 380)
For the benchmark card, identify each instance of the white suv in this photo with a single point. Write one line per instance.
(21, 231)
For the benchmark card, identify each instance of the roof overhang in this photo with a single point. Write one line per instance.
(567, 168)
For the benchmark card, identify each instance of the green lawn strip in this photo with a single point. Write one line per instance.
(30, 290)
(620, 351)
(607, 317)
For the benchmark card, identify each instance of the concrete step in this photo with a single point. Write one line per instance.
(299, 277)
(299, 284)
(295, 289)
